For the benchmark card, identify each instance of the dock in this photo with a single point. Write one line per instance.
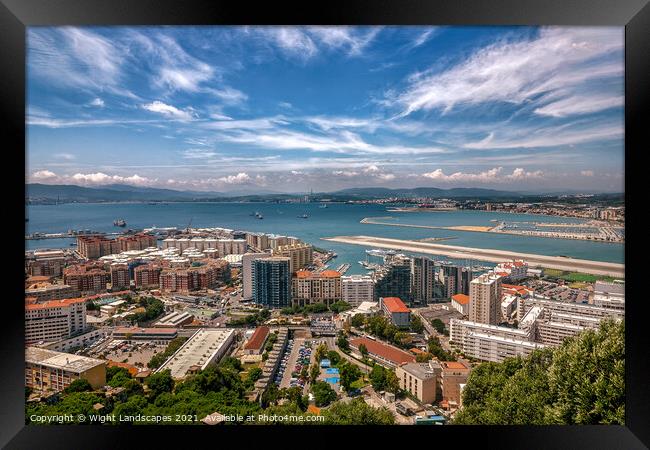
(343, 268)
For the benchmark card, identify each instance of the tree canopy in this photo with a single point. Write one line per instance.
(581, 382)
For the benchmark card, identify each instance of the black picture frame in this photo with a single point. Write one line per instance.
(16, 15)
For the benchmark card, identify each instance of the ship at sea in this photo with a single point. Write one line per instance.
(323, 205)
(303, 216)
(119, 223)
(258, 215)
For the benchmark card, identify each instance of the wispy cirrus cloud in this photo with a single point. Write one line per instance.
(516, 72)
(169, 110)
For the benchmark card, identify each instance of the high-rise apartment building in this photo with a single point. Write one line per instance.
(247, 273)
(309, 287)
(87, 278)
(301, 255)
(485, 299)
(272, 281)
(96, 246)
(356, 289)
(120, 278)
(422, 280)
(54, 319)
(147, 276)
(394, 280)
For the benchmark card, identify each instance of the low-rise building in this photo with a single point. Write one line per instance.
(48, 291)
(396, 311)
(256, 342)
(48, 370)
(460, 302)
(156, 335)
(454, 373)
(419, 380)
(175, 320)
(384, 354)
(206, 346)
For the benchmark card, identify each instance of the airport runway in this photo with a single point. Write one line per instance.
(481, 254)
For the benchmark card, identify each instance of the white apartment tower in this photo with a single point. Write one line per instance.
(485, 299)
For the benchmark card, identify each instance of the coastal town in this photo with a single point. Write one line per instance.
(118, 314)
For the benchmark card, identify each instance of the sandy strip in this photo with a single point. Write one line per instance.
(454, 251)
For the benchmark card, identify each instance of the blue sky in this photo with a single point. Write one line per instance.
(275, 109)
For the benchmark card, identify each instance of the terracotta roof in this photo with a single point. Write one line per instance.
(395, 305)
(138, 330)
(416, 351)
(54, 303)
(460, 298)
(258, 338)
(454, 365)
(330, 274)
(313, 409)
(390, 353)
(132, 369)
(303, 274)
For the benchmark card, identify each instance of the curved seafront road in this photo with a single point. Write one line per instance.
(482, 254)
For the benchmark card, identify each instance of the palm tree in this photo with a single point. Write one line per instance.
(364, 353)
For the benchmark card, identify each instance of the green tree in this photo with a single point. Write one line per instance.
(357, 412)
(320, 352)
(342, 342)
(254, 374)
(340, 306)
(416, 324)
(160, 382)
(78, 385)
(581, 382)
(334, 357)
(357, 320)
(349, 373)
(323, 393)
(314, 372)
(439, 325)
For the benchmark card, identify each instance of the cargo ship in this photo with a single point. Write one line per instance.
(119, 223)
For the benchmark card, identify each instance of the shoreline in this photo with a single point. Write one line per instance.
(552, 262)
(483, 229)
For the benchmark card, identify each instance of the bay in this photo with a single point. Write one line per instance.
(335, 220)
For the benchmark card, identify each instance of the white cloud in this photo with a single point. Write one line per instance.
(168, 110)
(66, 156)
(567, 134)
(97, 102)
(494, 175)
(102, 178)
(198, 153)
(576, 104)
(43, 174)
(240, 178)
(515, 72)
(341, 37)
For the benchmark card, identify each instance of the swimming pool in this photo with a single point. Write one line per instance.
(332, 371)
(332, 380)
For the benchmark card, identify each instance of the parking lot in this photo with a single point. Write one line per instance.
(135, 353)
(299, 354)
(558, 292)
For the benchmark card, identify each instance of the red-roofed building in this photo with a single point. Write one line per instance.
(384, 354)
(311, 287)
(255, 344)
(396, 311)
(157, 335)
(54, 319)
(460, 302)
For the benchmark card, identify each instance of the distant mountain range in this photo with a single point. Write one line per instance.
(66, 193)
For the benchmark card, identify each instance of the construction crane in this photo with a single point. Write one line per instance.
(188, 229)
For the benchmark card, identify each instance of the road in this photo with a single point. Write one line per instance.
(444, 342)
(481, 254)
